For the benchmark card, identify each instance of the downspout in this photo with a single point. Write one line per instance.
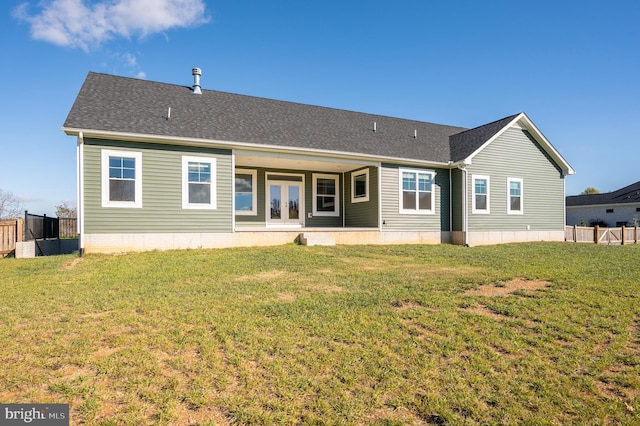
(80, 178)
(450, 206)
(381, 222)
(465, 225)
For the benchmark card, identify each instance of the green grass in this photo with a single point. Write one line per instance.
(384, 335)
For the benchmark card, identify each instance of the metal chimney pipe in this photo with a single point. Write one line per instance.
(196, 72)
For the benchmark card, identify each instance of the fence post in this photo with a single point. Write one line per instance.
(575, 234)
(622, 242)
(597, 234)
(635, 235)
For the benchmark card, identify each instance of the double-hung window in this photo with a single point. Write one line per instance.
(360, 186)
(480, 200)
(121, 178)
(416, 191)
(246, 192)
(325, 195)
(515, 200)
(198, 182)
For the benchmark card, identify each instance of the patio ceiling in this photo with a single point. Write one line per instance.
(292, 162)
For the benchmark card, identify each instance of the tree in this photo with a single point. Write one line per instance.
(590, 190)
(10, 205)
(63, 210)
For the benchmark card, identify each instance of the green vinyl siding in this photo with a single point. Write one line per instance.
(515, 154)
(161, 209)
(391, 216)
(365, 213)
(456, 199)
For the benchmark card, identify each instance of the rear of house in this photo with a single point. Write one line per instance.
(166, 166)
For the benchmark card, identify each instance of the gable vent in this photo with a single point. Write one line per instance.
(196, 72)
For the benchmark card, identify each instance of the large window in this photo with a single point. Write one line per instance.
(121, 178)
(515, 201)
(198, 183)
(360, 186)
(480, 200)
(416, 191)
(325, 195)
(246, 192)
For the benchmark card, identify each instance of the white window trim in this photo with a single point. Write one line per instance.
(417, 210)
(254, 192)
(212, 205)
(474, 210)
(314, 184)
(509, 211)
(360, 172)
(105, 154)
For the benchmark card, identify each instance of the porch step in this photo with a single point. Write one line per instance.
(317, 239)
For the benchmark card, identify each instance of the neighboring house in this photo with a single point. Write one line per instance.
(612, 209)
(168, 166)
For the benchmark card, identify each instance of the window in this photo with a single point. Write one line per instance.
(416, 194)
(360, 186)
(514, 201)
(480, 201)
(325, 195)
(121, 178)
(609, 210)
(246, 192)
(198, 183)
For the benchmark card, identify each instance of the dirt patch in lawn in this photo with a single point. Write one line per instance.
(509, 287)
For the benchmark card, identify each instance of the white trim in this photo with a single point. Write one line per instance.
(417, 210)
(212, 204)
(475, 210)
(314, 194)
(509, 211)
(137, 155)
(364, 198)
(254, 192)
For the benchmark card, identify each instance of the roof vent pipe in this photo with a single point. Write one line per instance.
(196, 72)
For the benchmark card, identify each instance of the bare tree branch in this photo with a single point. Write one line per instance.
(10, 206)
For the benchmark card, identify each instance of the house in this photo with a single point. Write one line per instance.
(611, 209)
(168, 166)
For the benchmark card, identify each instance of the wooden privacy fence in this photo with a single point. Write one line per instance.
(68, 227)
(11, 232)
(598, 235)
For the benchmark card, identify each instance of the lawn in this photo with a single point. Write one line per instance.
(544, 333)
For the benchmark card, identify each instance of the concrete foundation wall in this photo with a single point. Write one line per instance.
(502, 237)
(122, 243)
(29, 249)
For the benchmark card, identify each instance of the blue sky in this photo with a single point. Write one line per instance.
(572, 66)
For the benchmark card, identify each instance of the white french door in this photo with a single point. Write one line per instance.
(284, 203)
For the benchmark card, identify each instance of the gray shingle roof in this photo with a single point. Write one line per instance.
(628, 194)
(120, 104)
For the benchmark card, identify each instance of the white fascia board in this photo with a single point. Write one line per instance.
(249, 147)
(537, 134)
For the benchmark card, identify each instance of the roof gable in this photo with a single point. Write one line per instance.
(466, 145)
